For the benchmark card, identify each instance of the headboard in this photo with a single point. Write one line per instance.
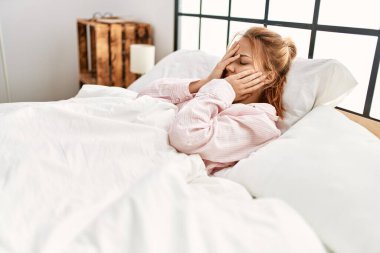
(209, 25)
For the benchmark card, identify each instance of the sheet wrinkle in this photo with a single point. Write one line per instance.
(84, 183)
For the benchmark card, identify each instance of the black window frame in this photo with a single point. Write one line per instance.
(313, 27)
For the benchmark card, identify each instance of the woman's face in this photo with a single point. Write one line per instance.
(244, 62)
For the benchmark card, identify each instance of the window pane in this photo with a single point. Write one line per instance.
(248, 8)
(292, 10)
(363, 13)
(214, 36)
(240, 27)
(189, 6)
(188, 34)
(215, 7)
(375, 107)
(300, 36)
(356, 52)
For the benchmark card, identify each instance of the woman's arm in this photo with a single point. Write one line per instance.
(177, 90)
(196, 85)
(209, 126)
(173, 90)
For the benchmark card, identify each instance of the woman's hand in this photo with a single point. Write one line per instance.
(217, 72)
(246, 83)
(228, 58)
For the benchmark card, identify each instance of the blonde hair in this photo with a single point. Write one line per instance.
(275, 56)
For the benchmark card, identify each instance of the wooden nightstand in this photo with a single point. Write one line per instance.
(104, 49)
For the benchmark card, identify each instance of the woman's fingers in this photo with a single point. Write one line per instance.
(235, 46)
(255, 87)
(233, 49)
(230, 56)
(255, 81)
(230, 60)
(251, 77)
(243, 74)
(244, 96)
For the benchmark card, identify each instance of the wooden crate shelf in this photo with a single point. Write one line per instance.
(104, 50)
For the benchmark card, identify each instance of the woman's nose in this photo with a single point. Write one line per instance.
(230, 68)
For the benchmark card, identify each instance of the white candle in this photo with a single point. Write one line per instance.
(142, 58)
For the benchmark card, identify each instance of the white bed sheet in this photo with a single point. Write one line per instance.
(95, 173)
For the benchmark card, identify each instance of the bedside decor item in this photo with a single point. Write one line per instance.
(142, 58)
(104, 49)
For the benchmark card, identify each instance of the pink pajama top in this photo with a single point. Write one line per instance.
(209, 124)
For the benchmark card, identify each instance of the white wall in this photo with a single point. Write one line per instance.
(3, 91)
(40, 41)
(159, 13)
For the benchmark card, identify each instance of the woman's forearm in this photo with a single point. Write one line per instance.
(196, 85)
(193, 126)
(173, 90)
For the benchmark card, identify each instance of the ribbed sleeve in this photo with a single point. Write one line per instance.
(209, 124)
(221, 132)
(173, 90)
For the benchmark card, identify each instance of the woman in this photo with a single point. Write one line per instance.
(233, 112)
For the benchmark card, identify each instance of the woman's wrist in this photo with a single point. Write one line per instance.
(196, 85)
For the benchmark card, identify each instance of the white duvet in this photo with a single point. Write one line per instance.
(95, 173)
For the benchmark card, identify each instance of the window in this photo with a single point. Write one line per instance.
(363, 13)
(248, 8)
(189, 32)
(375, 109)
(313, 25)
(215, 7)
(213, 36)
(296, 10)
(189, 6)
(239, 27)
(358, 61)
(300, 36)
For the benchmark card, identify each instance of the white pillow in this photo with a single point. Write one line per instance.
(311, 82)
(182, 64)
(326, 167)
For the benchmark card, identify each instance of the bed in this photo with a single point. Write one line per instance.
(95, 173)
